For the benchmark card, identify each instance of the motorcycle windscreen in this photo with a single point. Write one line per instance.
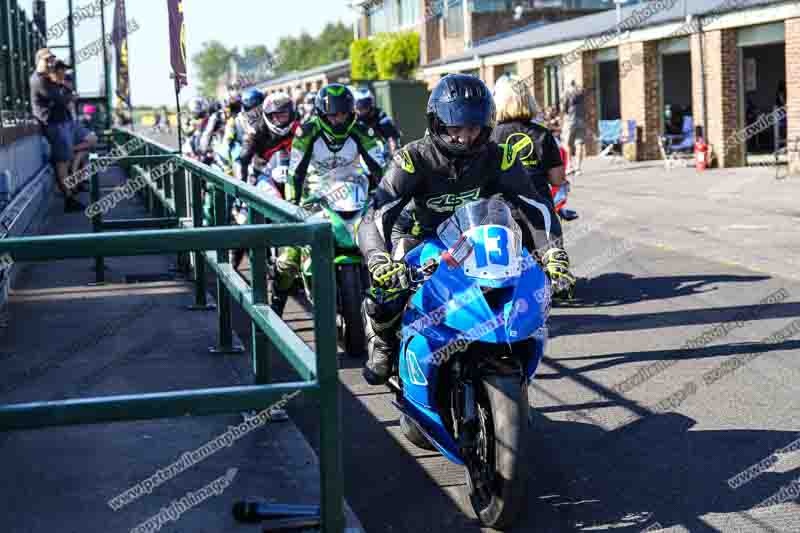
(349, 196)
(486, 241)
(344, 188)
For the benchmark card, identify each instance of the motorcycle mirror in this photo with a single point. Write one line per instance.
(459, 252)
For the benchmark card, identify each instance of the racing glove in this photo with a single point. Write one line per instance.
(387, 274)
(556, 264)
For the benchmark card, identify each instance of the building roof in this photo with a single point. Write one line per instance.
(597, 24)
(294, 75)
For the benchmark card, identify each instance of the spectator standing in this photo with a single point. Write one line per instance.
(575, 127)
(49, 103)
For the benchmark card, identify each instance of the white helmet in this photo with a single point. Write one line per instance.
(278, 103)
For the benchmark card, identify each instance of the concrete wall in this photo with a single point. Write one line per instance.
(792, 27)
(26, 213)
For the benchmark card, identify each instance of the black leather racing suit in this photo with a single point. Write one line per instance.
(382, 124)
(437, 185)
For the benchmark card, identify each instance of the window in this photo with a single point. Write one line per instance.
(454, 18)
(408, 12)
(508, 68)
(475, 72)
(376, 18)
(487, 6)
(552, 94)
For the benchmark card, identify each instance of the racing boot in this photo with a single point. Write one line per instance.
(287, 267)
(279, 299)
(382, 344)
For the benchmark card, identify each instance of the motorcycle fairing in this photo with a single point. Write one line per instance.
(466, 306)
(424, 343)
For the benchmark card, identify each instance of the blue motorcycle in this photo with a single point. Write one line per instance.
(473, 333)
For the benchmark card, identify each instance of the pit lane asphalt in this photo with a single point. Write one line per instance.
(607, 455)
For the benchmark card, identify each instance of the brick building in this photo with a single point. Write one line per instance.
(719, 63)
(449, 27)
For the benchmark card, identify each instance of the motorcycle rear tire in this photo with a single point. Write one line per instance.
(504, 401)
(352, 293)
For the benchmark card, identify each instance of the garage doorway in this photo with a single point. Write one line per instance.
(762, 92)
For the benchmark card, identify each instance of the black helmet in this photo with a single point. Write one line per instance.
(335, 98)
(460, 100)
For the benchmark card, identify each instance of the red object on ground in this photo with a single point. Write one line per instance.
(559, 197)
(701, 155)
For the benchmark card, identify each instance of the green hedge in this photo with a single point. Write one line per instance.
(388, 56)
(362, 60)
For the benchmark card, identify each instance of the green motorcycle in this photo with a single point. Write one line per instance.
(341, 199)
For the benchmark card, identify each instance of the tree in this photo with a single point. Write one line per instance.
(212, 63)
(305, 52)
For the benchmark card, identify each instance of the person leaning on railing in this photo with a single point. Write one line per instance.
(49, 101)
(83, 138)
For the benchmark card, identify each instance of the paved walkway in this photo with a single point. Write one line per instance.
(741, 216)
(66, 339)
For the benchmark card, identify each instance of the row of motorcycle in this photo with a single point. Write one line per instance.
(473, 332)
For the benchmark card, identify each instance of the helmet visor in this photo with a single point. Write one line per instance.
(459, 114)
(335, 104)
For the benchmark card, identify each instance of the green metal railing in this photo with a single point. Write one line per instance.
(19, 40)
(176, 200)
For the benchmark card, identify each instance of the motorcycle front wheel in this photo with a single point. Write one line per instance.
(351, 292)
(497, 472)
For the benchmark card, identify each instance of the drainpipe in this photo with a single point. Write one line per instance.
(703, 78)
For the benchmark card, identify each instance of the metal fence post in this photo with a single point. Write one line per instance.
(6, 70)
(181, 210)
(262, 347)
(330, 452)
(97, 227)
(200, 303)
(24, 41)
(11, 7)
(225, 343)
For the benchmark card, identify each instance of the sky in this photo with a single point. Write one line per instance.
(237, 23)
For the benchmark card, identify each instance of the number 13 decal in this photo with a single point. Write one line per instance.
(495, 240)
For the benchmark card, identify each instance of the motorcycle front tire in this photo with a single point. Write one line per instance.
(504, 402)
(351, 291)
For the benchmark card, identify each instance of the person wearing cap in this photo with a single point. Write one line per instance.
(50, 105)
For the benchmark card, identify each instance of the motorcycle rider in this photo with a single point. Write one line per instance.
(195, 125)
(267, 129)
(233, 136)
(454, 164)
(374, 117)
(331, 138)
(224, 111)
(220, 132)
